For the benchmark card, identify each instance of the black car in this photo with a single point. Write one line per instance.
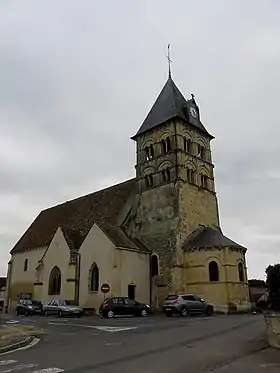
(29, 307)
(111, 307)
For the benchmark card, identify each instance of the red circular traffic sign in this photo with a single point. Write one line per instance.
(105, 288)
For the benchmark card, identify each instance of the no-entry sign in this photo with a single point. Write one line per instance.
(105, 288)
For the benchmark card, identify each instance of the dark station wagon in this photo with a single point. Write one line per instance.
(117, 306)
(29, 307)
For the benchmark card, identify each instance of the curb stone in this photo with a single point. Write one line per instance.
(23, 343)
(16, 345)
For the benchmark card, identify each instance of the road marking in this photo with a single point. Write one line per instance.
(111, 329)
(6, 362)
(49, 370)
(114, 329)
(19, 367)
(12, 322)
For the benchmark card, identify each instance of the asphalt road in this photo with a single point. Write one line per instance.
(220, 344)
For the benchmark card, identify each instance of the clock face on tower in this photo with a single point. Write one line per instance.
(193, 112)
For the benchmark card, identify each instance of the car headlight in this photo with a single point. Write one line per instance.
(148, 306)
(30, 307)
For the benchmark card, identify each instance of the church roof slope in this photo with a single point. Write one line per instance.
(209, 237)
(76, 217)
(169, 104)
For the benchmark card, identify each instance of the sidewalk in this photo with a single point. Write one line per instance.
(265, 361)
(16, 336)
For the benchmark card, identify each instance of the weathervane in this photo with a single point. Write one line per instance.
(169, 61)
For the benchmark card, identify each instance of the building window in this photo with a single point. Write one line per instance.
(149, 152)
(94, 278)
(25, 265)
(204, 181)
(55, 281)
(213, 271)
(187, 145)
(154, 265)
(166, 175)
(241, 272)
(149, 181)
(190, 175)
(165, 145)
(201, 151)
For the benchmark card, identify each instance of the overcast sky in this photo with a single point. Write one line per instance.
(77, 78)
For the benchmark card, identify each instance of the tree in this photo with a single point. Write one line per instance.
(273, 284)
(257, 283)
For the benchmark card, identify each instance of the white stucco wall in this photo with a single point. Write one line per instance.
(58, 254)
(18, 274)
(116, 267)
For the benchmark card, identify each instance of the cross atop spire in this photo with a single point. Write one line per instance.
(169, 61)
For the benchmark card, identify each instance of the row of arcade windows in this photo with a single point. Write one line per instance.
(189, 147)
(165, 176)
(165, 146)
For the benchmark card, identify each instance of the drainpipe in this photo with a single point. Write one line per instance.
(77, 276)
(8, 287)
(150, 277)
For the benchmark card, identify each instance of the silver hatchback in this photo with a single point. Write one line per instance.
(62, 308)
(186, 304)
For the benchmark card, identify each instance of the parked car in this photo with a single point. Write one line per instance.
(62, 308)
(28, 307)
(111, 307)
(186, 304)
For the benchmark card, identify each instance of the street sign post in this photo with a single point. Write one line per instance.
(105, 288)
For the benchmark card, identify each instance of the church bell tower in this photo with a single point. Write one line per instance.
(175, 211)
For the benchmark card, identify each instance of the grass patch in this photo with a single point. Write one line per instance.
(17, 330)
(25, 328)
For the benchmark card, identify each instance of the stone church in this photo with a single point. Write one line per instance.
(147, 237)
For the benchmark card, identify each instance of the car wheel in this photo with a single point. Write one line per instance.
(168, 314)
(144, 313)
(26, 313)
(209, 311)
(111, 314)
(184, 312)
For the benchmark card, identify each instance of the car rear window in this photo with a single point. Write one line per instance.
(70, 303)
(36, 302)
(171, 297)
(188, 297)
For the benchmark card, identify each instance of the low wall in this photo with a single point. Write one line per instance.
(273, 329)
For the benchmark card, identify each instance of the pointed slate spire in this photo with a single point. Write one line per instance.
(170, 104)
